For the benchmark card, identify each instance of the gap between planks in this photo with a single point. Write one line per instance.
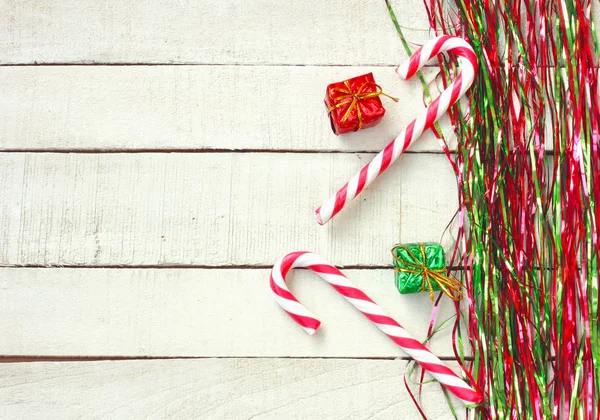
(85, 151)
(38, 359)
(221, 151)
(199, 267)
(192, 64)
(129, 64)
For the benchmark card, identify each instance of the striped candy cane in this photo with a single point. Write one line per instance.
(414, 130)
(364, 304)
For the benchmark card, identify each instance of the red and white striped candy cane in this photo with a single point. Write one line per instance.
(468, 64)
(370, 309)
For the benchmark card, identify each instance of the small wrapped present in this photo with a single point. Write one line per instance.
(354, 104)
(422, 266)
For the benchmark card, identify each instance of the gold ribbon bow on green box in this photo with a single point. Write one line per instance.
(422, 266)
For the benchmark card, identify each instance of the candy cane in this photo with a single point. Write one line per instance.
(370, 309)
(414, 130)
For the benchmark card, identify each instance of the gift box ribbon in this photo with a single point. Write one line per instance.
(353, 98)
(450, 286)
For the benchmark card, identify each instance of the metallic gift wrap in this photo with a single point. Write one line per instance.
(408, 260)
(355, 104)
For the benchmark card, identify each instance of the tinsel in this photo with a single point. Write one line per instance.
(527, 167)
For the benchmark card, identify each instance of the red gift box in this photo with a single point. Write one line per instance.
(354, 104)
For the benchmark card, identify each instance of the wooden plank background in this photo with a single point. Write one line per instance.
(156, 157)
(212, 389)
(226, 107)
(260, 32)
(213, 209)
(196, 313)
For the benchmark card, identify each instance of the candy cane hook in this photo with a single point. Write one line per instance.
(468, 65)
(370, 309)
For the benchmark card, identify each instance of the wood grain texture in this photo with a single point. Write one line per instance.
(193, 107)
(311, 32)
(241, 389)
(349, 32)
(199, 313)
(215, 209)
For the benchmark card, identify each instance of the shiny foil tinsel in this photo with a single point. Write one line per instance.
(527, 167)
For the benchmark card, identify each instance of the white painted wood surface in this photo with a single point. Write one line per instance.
(348, 32)
(213, 389)
(194, 108)
(199, 313)
(256, 84)
(309, 32)
(214, 209)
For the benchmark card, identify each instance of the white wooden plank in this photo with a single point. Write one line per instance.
(214, 208)
(11, 182)
(200, 313)
(349, 32)
(187, 31)
(256, 389)
(193, 107)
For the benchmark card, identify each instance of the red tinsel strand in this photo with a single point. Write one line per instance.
(531, 248)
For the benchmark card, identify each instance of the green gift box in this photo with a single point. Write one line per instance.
(422, 267)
